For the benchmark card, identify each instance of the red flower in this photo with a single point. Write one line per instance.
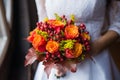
(32, 34)
(42, 48)
(39, 42)
(30, 38)
(69, 53)
(56, 25)
(74, 53)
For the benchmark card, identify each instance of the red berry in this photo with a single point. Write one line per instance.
(57, 36)
(52, 56)
(87, 32)
(45, 26)
(59, 55)
(54, 32)
(51, 39)
(83, 27)
(38, 23)
(88, 46)
(61, 59)
(51, 59)
(45, 58)
(85, 39)
(41, 28)
(63, 16)
(62, 38)
(86, 43)
(88, 49)
(51, 34)
(48, 31)
(80, 35)
(47, 53)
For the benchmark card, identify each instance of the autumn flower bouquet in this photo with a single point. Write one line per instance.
(58, 41)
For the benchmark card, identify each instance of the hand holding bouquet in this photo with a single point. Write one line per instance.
(58, 41)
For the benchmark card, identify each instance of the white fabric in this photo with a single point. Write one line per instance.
(92, 13)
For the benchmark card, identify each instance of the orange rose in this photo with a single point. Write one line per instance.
(55, 23)
(38, 41)
(52, 46)
(71, 31)
(85, 35)
(32, 34)
(77, 50)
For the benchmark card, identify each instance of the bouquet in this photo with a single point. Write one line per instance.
(58, 41)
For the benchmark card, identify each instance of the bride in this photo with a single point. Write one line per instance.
(96, 15)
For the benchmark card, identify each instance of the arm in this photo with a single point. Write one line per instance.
(104, 41)
(113, 32)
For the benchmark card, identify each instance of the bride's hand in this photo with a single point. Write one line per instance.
(96, 47)
(103, 42)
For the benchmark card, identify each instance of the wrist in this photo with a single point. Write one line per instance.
(104, 41)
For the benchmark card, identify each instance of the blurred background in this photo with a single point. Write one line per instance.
(17, 18)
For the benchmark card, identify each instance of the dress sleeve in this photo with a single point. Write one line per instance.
(41, 11)
(114, 16)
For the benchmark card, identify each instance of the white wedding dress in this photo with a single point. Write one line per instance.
(92, 13)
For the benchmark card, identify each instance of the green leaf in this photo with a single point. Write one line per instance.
(83, 57)
(62, 33)
(67, 44)
(42, 33)
(58, 17)
(72, 17)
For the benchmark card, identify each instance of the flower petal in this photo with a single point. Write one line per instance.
(30, 57)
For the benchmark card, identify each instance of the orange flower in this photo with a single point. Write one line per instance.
(71, 31)
(38, 41)
(52, 46)
(32, 34)
(77, 50)
(55, 23)
(85, 35)
(30, 38)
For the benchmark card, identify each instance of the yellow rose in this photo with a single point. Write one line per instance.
(77, 50)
